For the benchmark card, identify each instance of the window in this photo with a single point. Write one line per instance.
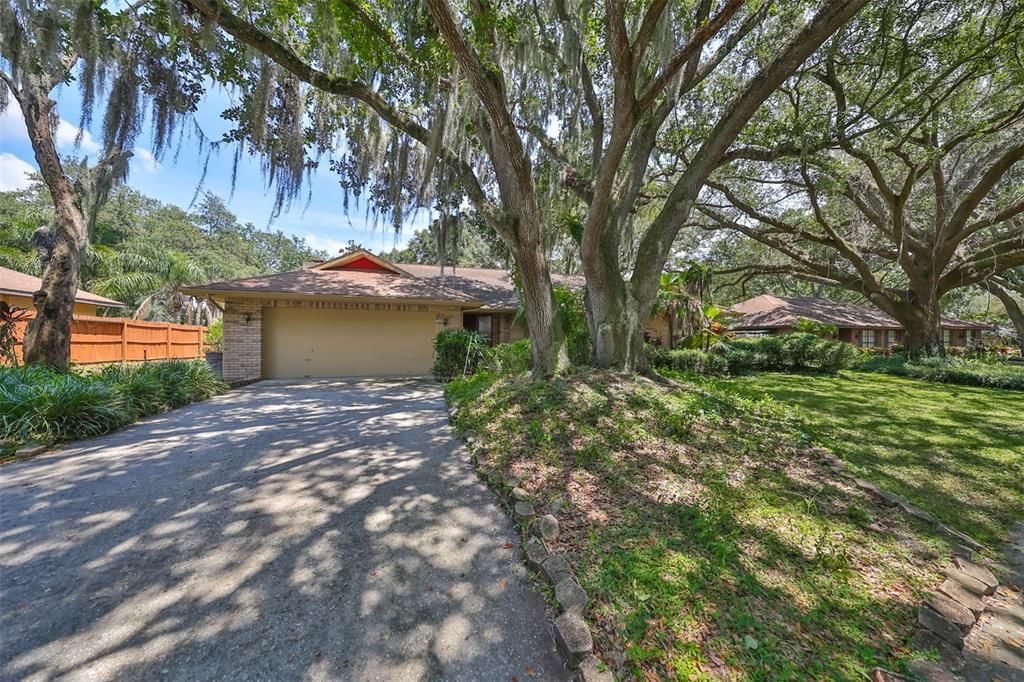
(478, 323)
(945, 337)
(890, 338)
(969, 337)
(867, 338)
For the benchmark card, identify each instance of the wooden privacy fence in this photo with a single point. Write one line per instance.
(117, 339)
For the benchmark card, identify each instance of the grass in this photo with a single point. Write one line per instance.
(955, 451)
(712, 540)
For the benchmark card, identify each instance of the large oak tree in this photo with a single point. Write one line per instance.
(494, 97)
(893, 165)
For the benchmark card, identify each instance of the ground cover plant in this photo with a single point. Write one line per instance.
(712, 540)
(955, 451)
(48, 406)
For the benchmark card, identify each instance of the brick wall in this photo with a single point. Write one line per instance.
(243, 341)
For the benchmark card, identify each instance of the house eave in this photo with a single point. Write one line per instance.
(222, 295)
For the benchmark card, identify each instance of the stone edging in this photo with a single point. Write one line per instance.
(28, 451)
(572, 635)
(947, 615)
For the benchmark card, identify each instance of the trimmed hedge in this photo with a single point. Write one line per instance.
(40, 404)
(689, 360)
(786, 352)
(961, 371)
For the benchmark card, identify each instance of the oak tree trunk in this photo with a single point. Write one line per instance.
(616, 325)
(547, 338)
(922, 324)
(48, 336)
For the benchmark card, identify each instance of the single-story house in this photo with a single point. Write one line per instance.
(859, 325)
(16, 289)
(358, 315)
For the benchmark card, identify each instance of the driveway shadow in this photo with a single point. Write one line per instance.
(302, 530)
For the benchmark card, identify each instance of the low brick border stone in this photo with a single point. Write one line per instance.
(572, 634)
(947, 615)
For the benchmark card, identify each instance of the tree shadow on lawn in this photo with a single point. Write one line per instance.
(965, 465)
(710, 541)
(222, 540)
(822, 581)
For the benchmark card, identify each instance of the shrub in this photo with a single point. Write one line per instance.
(40, 404)
(215, 335)
(789, 352)
(968, 372)
(689, 360)
(508, 358)
(822, 329)
(458, 352)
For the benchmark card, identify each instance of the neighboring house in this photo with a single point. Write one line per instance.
(859, 325)
(16, 289)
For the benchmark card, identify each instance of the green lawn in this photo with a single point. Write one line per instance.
(955, 451)
(714, 544)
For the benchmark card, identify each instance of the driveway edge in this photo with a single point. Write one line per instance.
(571, 633)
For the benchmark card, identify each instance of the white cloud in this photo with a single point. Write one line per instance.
(331, 246)
(14, 173)
(12, 128)
(146, 158)
(67, 135)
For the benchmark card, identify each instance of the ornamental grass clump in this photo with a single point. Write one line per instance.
(44, 405)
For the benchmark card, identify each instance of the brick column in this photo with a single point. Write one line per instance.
(243, 340)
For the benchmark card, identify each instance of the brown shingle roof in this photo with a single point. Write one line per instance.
(343, 283)
(494, 288)
(20, 284)
(774, 312)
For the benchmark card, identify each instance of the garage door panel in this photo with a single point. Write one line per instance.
(306, 342)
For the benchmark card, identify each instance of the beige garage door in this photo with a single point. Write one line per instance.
(302, 342)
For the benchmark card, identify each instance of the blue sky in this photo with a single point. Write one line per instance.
(322, 222)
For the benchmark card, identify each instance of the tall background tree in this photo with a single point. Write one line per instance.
(43, 45)
(892, 165)
(142, 251)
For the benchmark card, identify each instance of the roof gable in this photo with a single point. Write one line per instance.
(360, 259)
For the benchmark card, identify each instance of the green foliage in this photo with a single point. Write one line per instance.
(40, 404)
(788, 352)
(573, 317)
(508, 358)
(689, 360)
(962, 371)
(704, 513)
(822, 329)
(458, 352)
(215, 335)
